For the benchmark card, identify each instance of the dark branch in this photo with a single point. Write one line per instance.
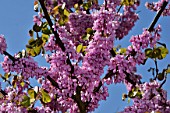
(162, 84)
(157, 70)
(48, 77)
(109, 74)
(3, 92)
(58, 40)
(77, 98)
(10, 56)
(53, 82)
(157, 16)
(119, 8)
(69, 63)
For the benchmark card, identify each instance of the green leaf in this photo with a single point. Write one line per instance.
(156, 53)
(25, 101)
(84, 48)
(160, 76)
(148, 52)
(66, 12)
(7, 75)
(87, 5)
(168, 71)
(30, 51)
(79, 48)
(63, 19)
(36, 28)
(164, 52)
(55, 10)
(45, 37)
(135, 92)
(32, 95)
(45, 96)
(122, 51)
(46, 31)
(61, 22)
(32, 41)
(37, 50)
(31, 33)
(86, 37)
(76, 6)
(89, 31)
(34, 51)
(127, 2)
(130, 94)
(45, 24)
(39, 42)
(14, 81)
(22, 83)
(139, 94)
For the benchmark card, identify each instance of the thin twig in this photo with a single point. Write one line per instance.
(29, 84)
(119, 8)
(157, 70)
(163, 82)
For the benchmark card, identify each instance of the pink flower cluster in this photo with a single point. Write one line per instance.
(127, 21)
(156, 6)
(24, 66)
(153, 99)
(78, 23)
(37, 19)
(14, 96)
(120, 65)
(3, 44)
(123, 65)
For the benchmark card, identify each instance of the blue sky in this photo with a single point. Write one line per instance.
(16, 20)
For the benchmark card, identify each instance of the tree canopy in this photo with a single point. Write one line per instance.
(76, 38)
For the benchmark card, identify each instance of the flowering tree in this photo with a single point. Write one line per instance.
(76, 37)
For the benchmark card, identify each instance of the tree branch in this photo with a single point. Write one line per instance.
(58, 40)
(163, 83)
(151, 27)
(53, 82)
(48, 77)
(10, 56)
(77, 98)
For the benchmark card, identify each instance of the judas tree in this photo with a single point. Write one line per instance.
(76, 37)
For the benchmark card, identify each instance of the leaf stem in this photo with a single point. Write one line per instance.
(157, 70)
